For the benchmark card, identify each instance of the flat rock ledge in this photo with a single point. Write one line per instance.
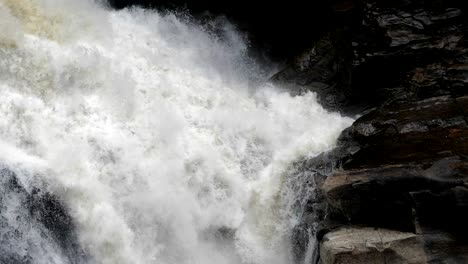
(371, 245)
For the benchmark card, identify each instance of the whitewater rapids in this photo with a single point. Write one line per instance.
(156, 132)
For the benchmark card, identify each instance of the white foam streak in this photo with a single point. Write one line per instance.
(146, 125)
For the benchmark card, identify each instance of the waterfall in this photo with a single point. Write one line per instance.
(160, 135)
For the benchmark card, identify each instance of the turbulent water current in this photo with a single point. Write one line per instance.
(160, 135)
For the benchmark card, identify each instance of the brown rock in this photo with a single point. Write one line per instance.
(372, 246)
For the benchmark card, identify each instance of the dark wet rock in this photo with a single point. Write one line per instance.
(323, 69)
(402, 66)
(428, 199)
(385, 50)
(35, 225)
(404, 166)
(407, 132)
(391, 196)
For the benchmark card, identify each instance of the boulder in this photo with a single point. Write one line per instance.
(372, 246)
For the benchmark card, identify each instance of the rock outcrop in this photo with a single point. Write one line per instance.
(402, 66)
(34, 224)
(369, 245)
(384, 50)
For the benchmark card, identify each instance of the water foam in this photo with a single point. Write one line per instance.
(150, 128)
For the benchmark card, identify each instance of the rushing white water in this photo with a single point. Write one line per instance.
(153, 133)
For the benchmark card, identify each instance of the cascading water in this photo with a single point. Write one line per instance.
(152, 132)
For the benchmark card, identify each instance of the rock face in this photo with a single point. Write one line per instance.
(403, 165)
(34, 225)
(369, 245)
(383, 50)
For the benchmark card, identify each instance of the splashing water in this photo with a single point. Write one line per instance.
(152, 131)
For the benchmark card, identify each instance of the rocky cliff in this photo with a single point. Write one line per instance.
(398, 191)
